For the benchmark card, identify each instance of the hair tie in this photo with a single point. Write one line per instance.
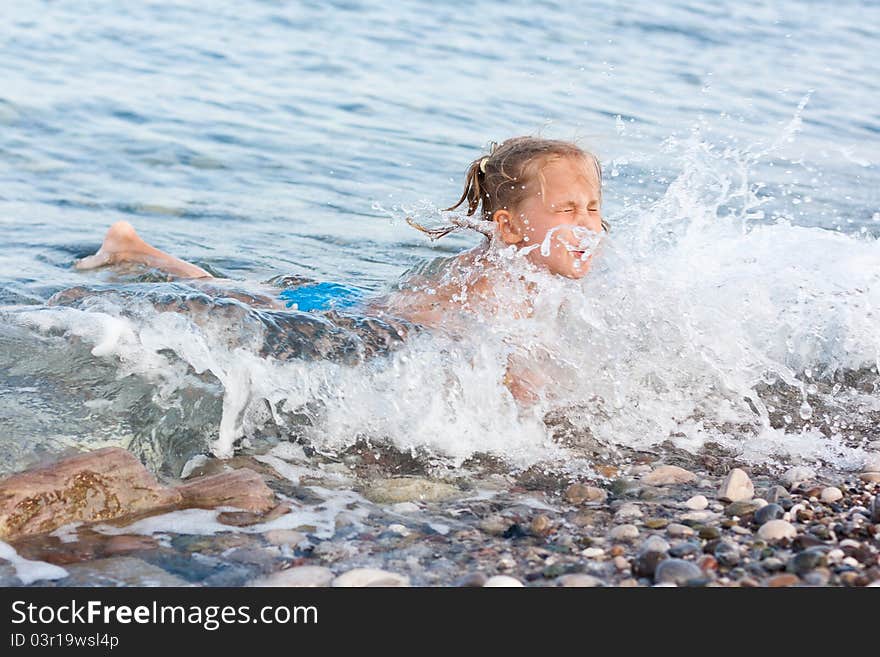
(483, 164)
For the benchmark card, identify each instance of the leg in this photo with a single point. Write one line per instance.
(123, 244)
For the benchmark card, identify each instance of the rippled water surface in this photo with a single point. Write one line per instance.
(740, 147)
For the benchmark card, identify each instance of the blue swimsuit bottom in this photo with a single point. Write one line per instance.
(321, 297)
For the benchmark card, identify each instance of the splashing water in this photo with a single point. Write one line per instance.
(699, 322)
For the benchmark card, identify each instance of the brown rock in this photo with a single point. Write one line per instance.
(580, 493)
(243, 489)
(669, 474)
(247, 518)
(786, 579)
(96, 486)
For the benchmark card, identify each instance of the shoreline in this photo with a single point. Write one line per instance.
(370, 519)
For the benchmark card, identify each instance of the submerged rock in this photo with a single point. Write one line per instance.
(119, 571)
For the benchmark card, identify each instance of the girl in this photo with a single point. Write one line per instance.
(536, 198)
(536, 195)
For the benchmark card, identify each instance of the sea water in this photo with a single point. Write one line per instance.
(732, 304)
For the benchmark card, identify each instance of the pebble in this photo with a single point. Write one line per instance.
(777, 493)
(773, 564)
(503, 581)
(676, 530)
(300, 576)
(400, 530)
(796, 475)
(818, 577)
(742, 531)
(579, 580)
(875, 509)
(540, 525)
(736, 487)
(709, 533)
(767, 513)
(676, 571)
(628, 511)
(741, 508)
(786, 579)
(284, 537)
(697, 503)
(685, 549)
(119, 571)
(580, 493)
(405, 507)
(654, 544)
(646, 563)
(870, 477)
(830, 494)
(360, 577)
(727, 554)
(776, 530)
(668, 474)
(698, 516)
(473, 580)
(624, 533)
(409, 489)
(621, 564)
(592, 552)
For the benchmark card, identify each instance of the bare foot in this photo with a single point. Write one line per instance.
(120, 239)
(123, 244)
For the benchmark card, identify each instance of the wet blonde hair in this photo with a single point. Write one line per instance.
(498, 180)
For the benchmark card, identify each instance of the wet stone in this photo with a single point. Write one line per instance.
(579, 580)
(362, 577)
(646, 563)
(773, 564)
(736, 487)
(727, 554)
(579, 493)
(776, 530)
(502, 581)
(656, 523)
(409, 489)
(776, 493)
(472, 580)
(830, 495)
(676, 530)
(119, 571)
(685, 549)
(667, 475)
(875, 510)
(697, 503)
(300, 576)
(767, 513)
(797, 475)
(677, 571)
(742, 509)
(654, 544)
(708, 533)
(624, 533)
(784, 580)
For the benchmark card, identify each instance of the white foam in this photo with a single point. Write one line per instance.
(30, 571)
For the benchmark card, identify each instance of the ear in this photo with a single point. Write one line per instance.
(508, 228)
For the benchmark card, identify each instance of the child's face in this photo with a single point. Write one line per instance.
(563, 201)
